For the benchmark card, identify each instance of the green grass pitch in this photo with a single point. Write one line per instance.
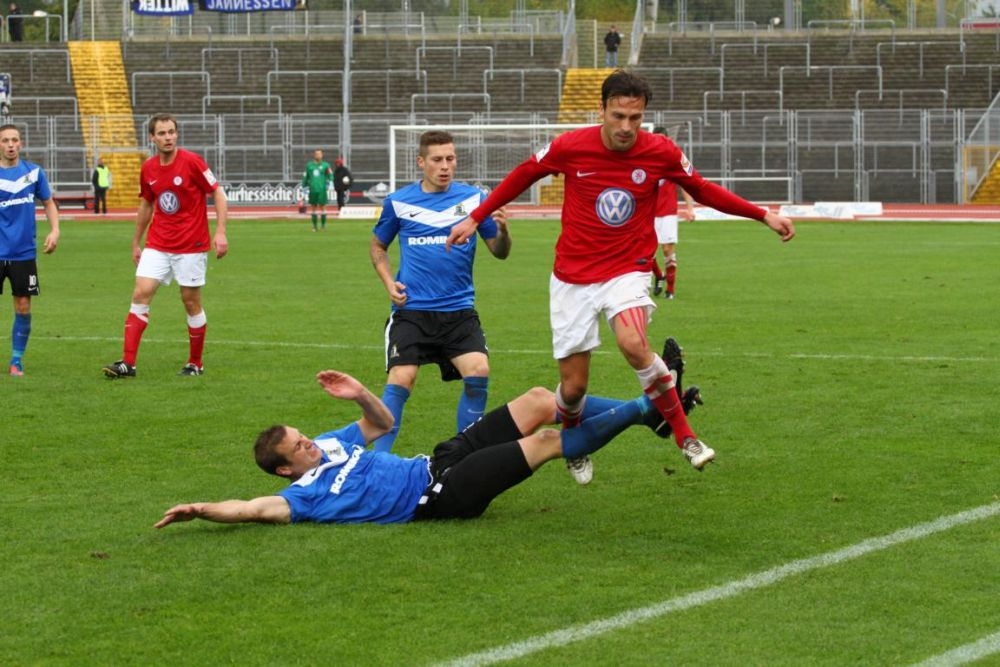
(850, 380)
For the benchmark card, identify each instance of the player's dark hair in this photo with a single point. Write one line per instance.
(265, 450)
(160, 118)
(11, 126)
(622, 83)
(434, 138)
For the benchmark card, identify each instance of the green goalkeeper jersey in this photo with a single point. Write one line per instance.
(317, 175)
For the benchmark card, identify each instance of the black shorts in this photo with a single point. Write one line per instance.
(418, 337)
(22, 274)
(471, 469)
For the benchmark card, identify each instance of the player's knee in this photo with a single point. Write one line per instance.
(543, 445)
(543, 398)
(550, 438)
(479, 368)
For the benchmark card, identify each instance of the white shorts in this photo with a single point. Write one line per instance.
(666, 229)
(574, 310)
(188, 269)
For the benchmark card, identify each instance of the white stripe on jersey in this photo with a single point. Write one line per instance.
(21, 183)
(437, 219)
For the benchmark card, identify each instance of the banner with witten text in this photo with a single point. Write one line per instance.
(162, 7)
(186, 7)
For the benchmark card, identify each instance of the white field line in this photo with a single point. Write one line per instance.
(537, 351)
(626, 619)
(962, 655)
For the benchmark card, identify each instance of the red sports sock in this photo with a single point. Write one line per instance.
(671, 277)
(134, 326)
(657, 271)
(569, 415)
(196, 343)
(663, 395)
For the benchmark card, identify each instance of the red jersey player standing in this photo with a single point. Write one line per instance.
(665, 223)
(174, 186)
(604, 251)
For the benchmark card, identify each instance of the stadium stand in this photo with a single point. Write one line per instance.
(750, 105)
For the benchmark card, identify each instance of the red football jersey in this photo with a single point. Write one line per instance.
(610, 199)
(666, 199)
(178, 192)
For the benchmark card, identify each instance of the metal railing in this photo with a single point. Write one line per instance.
(204, 78)
(982, 150)
(40, 53)
(892, 155)
(208, 54)
(522, 74)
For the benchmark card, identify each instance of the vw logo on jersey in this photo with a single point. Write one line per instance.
(615, 206)
(168, 202)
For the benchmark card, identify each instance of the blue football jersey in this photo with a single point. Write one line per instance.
(357, 485)
(20, 185)
(435, 279)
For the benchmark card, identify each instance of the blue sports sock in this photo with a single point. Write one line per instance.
(597, 431)
(472, 404)
(19, 336)
(394, 397)
(595, 405)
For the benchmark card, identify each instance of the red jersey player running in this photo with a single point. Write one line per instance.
(665, 224)
(607, 241)
(174, 186)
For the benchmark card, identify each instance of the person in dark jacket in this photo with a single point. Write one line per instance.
(342, 181)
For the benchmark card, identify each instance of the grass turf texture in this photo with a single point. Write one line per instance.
(850, 385)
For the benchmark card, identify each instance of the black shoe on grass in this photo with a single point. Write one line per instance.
(119, 369)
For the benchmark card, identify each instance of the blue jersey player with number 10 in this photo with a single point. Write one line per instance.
(433, 318)
(21, 183)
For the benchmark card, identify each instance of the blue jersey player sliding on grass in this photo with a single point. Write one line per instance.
(433, 319)
(21, 183)
(335, 478)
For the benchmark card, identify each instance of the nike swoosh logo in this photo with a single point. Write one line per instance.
(583, 174)
(413, 215)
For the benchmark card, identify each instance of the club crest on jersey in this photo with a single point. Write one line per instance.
(460, 210)
(334, 449)
(615, 206)
(169, 203)
(638, 176)
(686, 164)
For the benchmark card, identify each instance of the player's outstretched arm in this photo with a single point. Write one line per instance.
(266, 509)
(784, 227)
(461, 233)
(376, 419)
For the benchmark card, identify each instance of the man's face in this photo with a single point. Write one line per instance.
(165, 136)
(300, 453)
(10, 145)
(318, 156)
(620, 121)
(438, 167)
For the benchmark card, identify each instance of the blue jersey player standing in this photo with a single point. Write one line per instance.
(21, 183)
(433, 318)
